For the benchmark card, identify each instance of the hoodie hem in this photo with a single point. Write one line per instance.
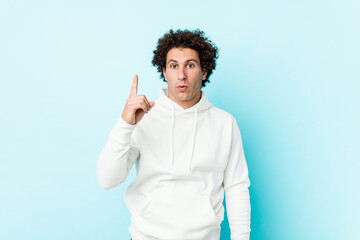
(136, 235)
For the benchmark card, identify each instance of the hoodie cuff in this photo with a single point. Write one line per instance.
(122, 131)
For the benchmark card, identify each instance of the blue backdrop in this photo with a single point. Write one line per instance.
(288, 71)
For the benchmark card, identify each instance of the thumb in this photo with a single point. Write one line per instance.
(151, 104)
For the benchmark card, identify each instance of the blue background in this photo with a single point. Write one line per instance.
(288, 71)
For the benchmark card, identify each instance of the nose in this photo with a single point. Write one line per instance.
(181, 73)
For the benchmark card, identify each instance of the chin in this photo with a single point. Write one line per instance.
(182, 98)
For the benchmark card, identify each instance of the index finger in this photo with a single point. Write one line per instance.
(134, 87)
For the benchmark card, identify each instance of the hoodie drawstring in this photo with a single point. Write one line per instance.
(193, 142)
(172, 136)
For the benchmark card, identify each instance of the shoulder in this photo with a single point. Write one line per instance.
(222, 115)
(225, 119)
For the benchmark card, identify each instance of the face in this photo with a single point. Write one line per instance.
(184, 76)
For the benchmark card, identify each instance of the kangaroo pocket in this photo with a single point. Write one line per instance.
(177, 215)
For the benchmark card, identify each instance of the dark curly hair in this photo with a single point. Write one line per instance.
(196, 40)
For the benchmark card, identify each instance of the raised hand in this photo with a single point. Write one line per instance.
(136, 106)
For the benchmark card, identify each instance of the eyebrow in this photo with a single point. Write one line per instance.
(189, 60)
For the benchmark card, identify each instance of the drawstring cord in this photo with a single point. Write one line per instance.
(193, 142)
(172, 136)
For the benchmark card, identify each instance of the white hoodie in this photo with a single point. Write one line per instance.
(185, 160)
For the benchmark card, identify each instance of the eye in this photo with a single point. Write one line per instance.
(191, 65)
(172, 66)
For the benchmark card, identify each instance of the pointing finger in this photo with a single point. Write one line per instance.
(134, 87)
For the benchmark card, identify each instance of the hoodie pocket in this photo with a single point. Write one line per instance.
(180, 214)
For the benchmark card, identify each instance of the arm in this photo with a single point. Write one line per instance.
(121, 151)
(236, 187)
(118, 155)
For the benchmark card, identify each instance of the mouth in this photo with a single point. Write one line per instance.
(182, 88)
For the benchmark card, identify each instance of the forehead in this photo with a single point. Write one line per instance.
(182, 54)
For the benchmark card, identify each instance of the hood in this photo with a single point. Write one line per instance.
(173, 107)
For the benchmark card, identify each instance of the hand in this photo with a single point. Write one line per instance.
(136, 106)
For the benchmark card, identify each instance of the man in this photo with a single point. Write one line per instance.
(187, 152)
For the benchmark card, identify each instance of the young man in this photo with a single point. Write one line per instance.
(187, 152)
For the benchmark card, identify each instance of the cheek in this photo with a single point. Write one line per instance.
(200, 79)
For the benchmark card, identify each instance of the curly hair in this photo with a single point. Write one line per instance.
(196, 40)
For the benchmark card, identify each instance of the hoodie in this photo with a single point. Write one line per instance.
(186, 161)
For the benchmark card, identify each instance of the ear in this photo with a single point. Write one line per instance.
(164, 73)
(204, 74)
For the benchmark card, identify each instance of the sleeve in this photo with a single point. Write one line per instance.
(236, 186)
(118, 155)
